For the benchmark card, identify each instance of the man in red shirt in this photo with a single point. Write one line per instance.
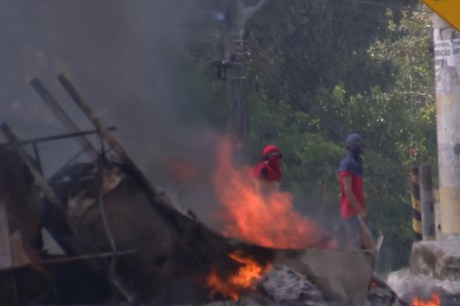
(353, 207)
(269, 171)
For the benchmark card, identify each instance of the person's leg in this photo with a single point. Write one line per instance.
(353, 230)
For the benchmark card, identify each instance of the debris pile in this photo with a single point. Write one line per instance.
(124, 241)
(283, 285)
(433, 270)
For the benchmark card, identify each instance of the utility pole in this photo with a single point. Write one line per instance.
(231, 66)
(447, 69)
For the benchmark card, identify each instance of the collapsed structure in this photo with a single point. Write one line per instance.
(125, 240)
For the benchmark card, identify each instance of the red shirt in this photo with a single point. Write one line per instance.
(347, 210)
(268, 171)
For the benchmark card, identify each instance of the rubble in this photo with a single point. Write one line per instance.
(405, 284)
(433, 269)
(130, 238)
(283, 284)
(438, 259)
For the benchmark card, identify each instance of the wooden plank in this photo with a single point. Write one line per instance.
(341, 276)
(40, 180)
(55, 137)
(64, 118)
(116, 146)
(6, 260)
(83, 243)
(5, 248)
(156, 199)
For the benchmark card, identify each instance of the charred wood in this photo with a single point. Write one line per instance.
(63, 117)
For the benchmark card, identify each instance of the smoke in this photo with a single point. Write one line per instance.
(128, 60)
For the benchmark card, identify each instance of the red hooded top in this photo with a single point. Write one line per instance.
(269, 170)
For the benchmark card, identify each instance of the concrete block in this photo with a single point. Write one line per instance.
(437, 259)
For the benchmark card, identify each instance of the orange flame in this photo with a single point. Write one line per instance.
(268, 220)
(243, 280)
(179, 170)
(435, 300)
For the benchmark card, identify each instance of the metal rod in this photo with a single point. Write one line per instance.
(53, 199)
(82, 257)
(37, 157)
(85, 243)
(6, 260)
(123, 156)
(116, 146)
(72, 259)
(100, 200)
(63, 117)
(14, 286)
(56, 137)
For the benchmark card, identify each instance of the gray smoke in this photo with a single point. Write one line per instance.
(128, 60)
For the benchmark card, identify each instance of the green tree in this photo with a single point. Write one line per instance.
(320, 69)
(313, 81)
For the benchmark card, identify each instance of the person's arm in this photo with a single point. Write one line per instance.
(264, 173)
(347, 186)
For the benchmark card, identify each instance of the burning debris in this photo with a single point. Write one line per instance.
(127, 239)
(283, 284)
(280, 286)
(244, 279)
(264, 218)
(179, 171)
(432, 277)
(435, 300)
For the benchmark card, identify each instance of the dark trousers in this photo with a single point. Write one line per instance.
(353, 238)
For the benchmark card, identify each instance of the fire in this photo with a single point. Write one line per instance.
(179, 170)
(251, 215)
(243, 280)
(435, 300)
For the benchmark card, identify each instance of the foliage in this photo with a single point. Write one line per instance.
(321, 76)
(320, 69)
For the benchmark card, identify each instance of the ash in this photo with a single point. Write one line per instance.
(282, 286)
(285, 286)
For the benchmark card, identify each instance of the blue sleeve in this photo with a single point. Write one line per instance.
(346, 165)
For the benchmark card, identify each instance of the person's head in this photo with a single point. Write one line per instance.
(354, 143)
(272, 153)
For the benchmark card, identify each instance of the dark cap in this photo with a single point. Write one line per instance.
(352, 138)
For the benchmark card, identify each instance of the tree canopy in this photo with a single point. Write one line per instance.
(320, 69)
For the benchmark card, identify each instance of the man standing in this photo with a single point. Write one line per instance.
(269, 171)
(353, 208)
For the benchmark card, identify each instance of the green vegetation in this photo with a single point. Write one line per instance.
(320, 69)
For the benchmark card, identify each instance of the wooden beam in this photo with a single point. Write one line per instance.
(56, 137)
(156, 198)
(66, 259)
(40, 180)
(6, 260)
(64, 118)
(116, 146)
(83, 243)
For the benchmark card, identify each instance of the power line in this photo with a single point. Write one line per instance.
(331, 125)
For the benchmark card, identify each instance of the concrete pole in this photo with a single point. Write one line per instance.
(426, 199)
(447, 69)
(237, 16)
(237, 122)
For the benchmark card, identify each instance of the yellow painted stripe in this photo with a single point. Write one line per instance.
(417, 226)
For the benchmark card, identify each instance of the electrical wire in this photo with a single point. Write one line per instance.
(296, 92)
